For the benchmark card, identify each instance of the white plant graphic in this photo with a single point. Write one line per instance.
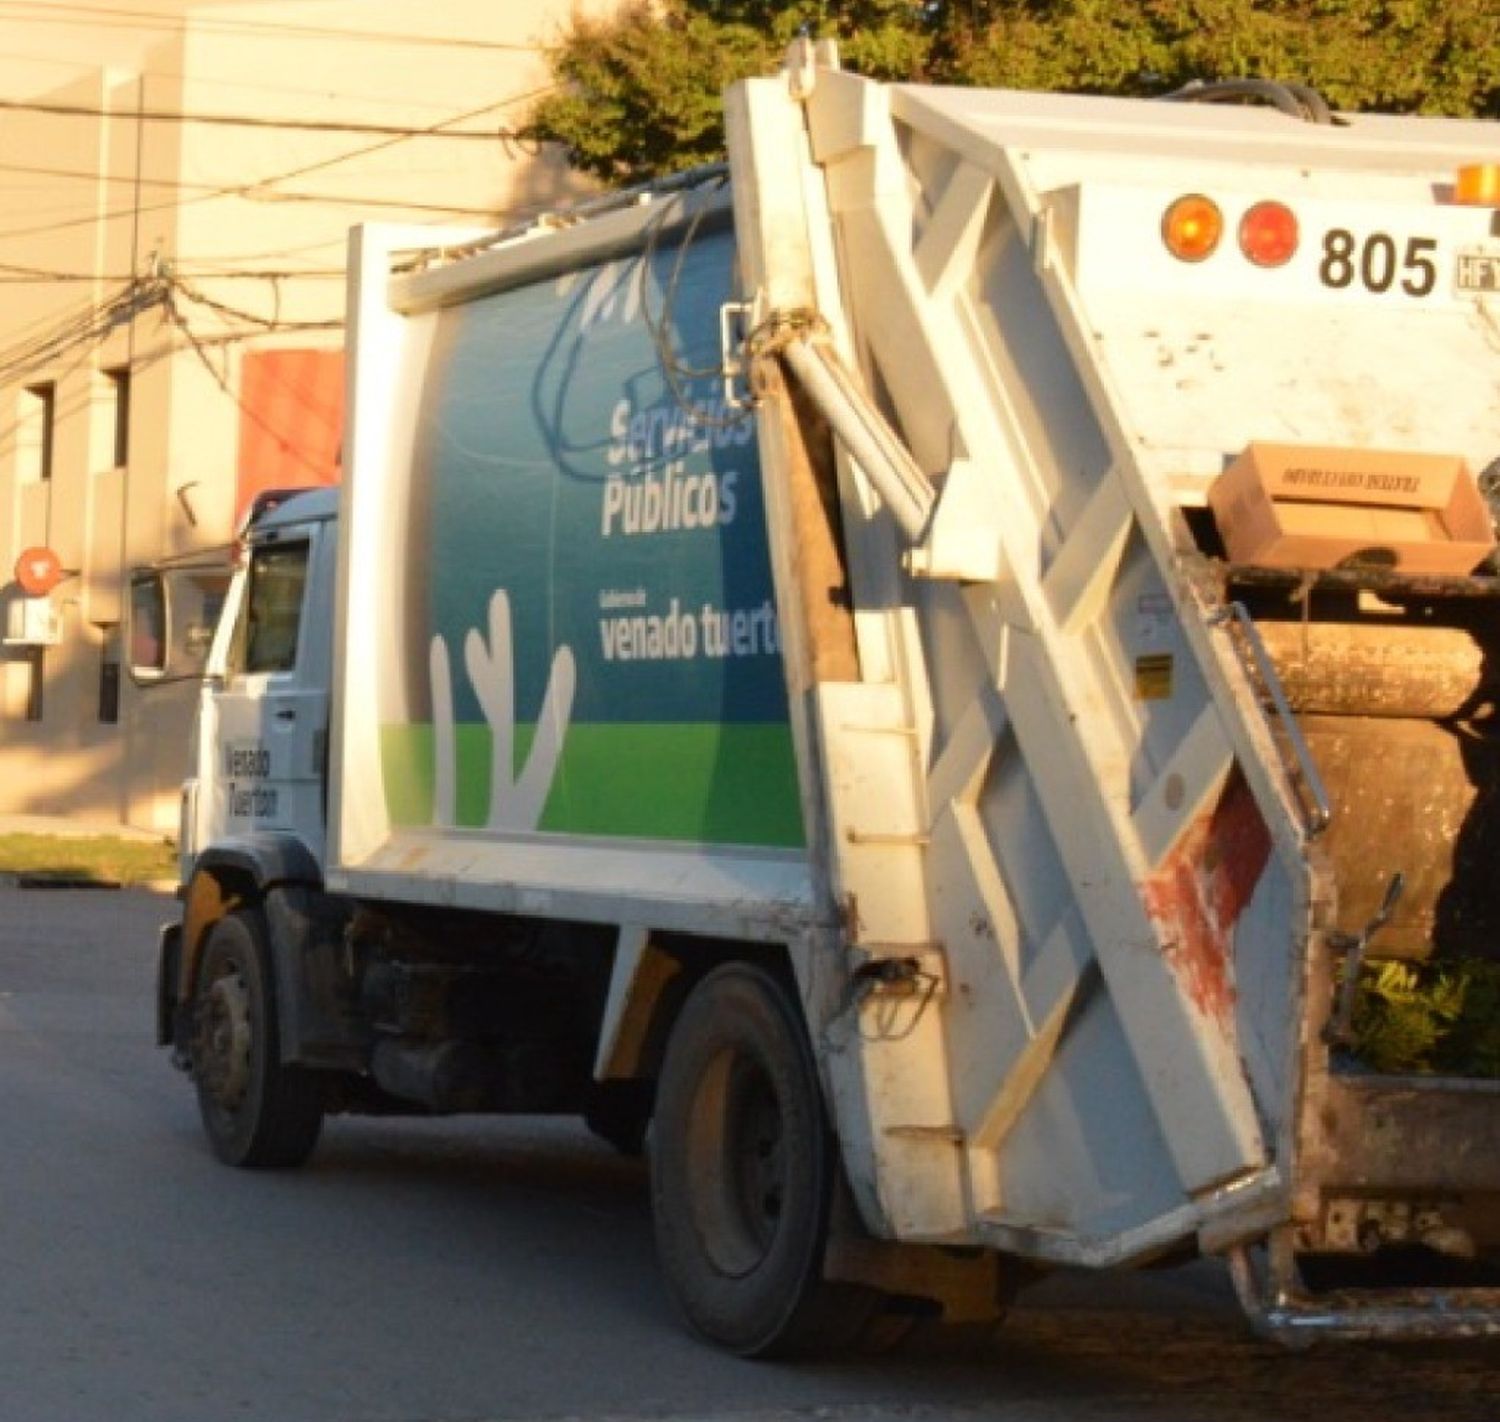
(516, 800)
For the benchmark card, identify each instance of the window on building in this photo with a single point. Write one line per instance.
(119, 393)
(109, 679)
(109, 692)
(35, 420)
(266, 638)
(34, 687)
(148, 625)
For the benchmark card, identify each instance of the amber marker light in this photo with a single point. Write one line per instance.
(1268, 234)
(1478, 185)
(1191, 227)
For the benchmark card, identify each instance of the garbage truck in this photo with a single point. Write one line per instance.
(940, 678)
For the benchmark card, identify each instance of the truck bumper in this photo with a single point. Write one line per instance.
(1392, 1315)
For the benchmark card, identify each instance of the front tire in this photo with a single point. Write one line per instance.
(743, 1168)
(256, 1112)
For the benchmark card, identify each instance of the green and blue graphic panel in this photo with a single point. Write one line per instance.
(592, 597)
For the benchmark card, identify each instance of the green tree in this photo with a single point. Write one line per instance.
(1412, 56)
(639, 94)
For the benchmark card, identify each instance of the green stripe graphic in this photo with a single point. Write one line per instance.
(709, 783)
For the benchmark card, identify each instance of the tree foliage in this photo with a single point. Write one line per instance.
(1412, 1018)
(639, 93)
(1406, 56)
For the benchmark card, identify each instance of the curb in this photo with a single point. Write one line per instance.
(78, 881)
(59, 881)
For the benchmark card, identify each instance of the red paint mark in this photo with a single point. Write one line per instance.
(291, 421)
(1197, 895)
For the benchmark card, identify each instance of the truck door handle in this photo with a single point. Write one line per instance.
(286, 715)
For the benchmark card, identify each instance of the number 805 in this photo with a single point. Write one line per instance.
(1376, 261)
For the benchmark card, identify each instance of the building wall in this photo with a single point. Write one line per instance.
(235, 235)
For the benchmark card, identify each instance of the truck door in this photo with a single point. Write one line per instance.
(267, 763)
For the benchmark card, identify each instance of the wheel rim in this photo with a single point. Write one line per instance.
(736, 1150)
(225, 1040)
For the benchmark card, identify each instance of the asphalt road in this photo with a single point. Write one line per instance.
(459, 1271)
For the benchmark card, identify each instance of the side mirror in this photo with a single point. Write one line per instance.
(173, 614)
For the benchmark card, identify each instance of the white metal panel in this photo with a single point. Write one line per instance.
(1211, 355)
(751, 894)
(1136, 134)
(1063, 698)
(381, 405)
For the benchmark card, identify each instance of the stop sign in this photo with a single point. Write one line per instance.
(38, 571)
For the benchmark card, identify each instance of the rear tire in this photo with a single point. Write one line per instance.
(743, 1168)
(256, 1112)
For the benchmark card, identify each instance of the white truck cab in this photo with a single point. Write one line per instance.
(261, 747)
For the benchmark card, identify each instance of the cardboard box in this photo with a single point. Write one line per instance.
(1320, 506)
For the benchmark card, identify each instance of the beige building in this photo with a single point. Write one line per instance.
(173, 221)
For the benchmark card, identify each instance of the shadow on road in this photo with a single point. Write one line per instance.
(1163, 1345)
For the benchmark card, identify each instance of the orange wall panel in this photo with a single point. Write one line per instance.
(291, 421)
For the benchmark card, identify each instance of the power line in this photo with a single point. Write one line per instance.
(275, 254)
(233, 313)
(81, 331)
(250, 194)
(218, 81)
(88, 175)
(355, 200)
(99, 17)
(61, 110)
(73, 337)
(247, 411)
(243, 190)
(19, 335)
(85, 328)
(10, 272)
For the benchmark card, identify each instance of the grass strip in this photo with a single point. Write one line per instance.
(91, 859)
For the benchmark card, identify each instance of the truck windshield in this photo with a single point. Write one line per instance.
(266, 639)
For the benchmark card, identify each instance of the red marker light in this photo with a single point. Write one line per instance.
(1268, 234)
(1191, 227)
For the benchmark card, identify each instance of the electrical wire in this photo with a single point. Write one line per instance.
(678, 375)
(61, 110)
(21, 334)
(274, 254)
(77, 335)
(212, 269)
(101, 17)
(355, 200)
(80, 332)
(233, 313)
(39, 275)
(206, 79)
(84, 329)
(252, 195)
(242, 189)
(94, 175)
(174, 316)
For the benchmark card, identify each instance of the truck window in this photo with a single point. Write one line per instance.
(173, 612)
(266, 638)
